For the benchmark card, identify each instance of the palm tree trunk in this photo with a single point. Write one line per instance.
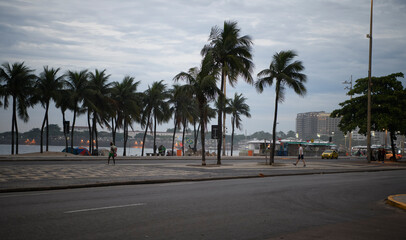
(194, 134)
(232, 138)
(125, 137)
(89, 127)
(224, 118)
(13, 125)
(183, 136)
(154, 134)
(47, 123)
(113, 130)
(271, 161)
(73, 129)
(220, 122)
(12, 134)
(392, 143)
(17, 138)
(64, 133)
(95, 136)
(42, 132)
(202, 139)
(145, 134)
(197, 136)
(173, 137)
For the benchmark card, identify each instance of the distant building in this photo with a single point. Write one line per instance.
(327, 125)
(81, 129)
(134, 133)
(306, 124)
(311, 124)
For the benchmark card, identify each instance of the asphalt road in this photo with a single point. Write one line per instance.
(333, 206)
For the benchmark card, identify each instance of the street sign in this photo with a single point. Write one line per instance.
(215, 132)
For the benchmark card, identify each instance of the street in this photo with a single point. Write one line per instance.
(323, 206)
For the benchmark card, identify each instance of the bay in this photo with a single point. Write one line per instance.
(5, 149)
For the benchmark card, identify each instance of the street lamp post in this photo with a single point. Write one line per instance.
(369, 88)
(350, 133)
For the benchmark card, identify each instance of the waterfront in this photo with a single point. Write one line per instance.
(5, 149)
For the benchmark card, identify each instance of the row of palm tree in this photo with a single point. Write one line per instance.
(113, 105)
(119, 105)
(228, 55)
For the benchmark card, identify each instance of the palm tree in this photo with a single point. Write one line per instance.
(232, 55)
(284, 72)
(156, 109)
(203, 84)
(237, 107)
(47, 87)
(127, 105)
(181, 107)
(77, 86)
(100, 102)
(19, 81)
(64, 102)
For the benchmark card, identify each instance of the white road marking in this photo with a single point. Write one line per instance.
(23, 195)
(104, 208)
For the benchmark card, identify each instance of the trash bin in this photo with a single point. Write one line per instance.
(250, 153)
(179, 152)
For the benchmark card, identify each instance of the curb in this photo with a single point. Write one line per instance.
(391, 200)
(176, 180)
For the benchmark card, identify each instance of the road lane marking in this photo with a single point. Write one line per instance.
(23, 195)
(104, 208)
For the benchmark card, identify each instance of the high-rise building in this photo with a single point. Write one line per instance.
(311, 124)
(327, 125)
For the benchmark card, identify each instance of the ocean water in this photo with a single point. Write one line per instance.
(5, 149)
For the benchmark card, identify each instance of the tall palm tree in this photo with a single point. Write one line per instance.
(232, 55)
(283, 71)
(77, 85)
(64, 102)
(156, 109)
(127, 103)
(237, 107)
(100, 102)
(203, 85)
(181, 109)
(19, 81)
(47, 87)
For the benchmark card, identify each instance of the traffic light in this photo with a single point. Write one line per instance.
(66, 127)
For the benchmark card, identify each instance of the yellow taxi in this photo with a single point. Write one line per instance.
(329, 154)
(389, 156)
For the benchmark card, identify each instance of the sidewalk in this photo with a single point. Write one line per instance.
(34, 173)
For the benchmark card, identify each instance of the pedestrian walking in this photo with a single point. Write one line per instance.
(300, 156)
(112, 153)
(381, 155)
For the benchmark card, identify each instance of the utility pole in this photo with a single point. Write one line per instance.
(224, 119)
(349, 88)
(369, 88)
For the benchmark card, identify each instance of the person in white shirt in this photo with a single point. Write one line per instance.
(112, 153)
(300, 156)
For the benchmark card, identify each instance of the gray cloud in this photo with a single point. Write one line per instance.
(154, 40)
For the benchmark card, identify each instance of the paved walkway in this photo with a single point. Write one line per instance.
(21, 174)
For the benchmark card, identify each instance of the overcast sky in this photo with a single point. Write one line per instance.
(155, 40)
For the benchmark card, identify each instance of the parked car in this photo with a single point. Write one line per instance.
(329, 154)
(389, 155)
